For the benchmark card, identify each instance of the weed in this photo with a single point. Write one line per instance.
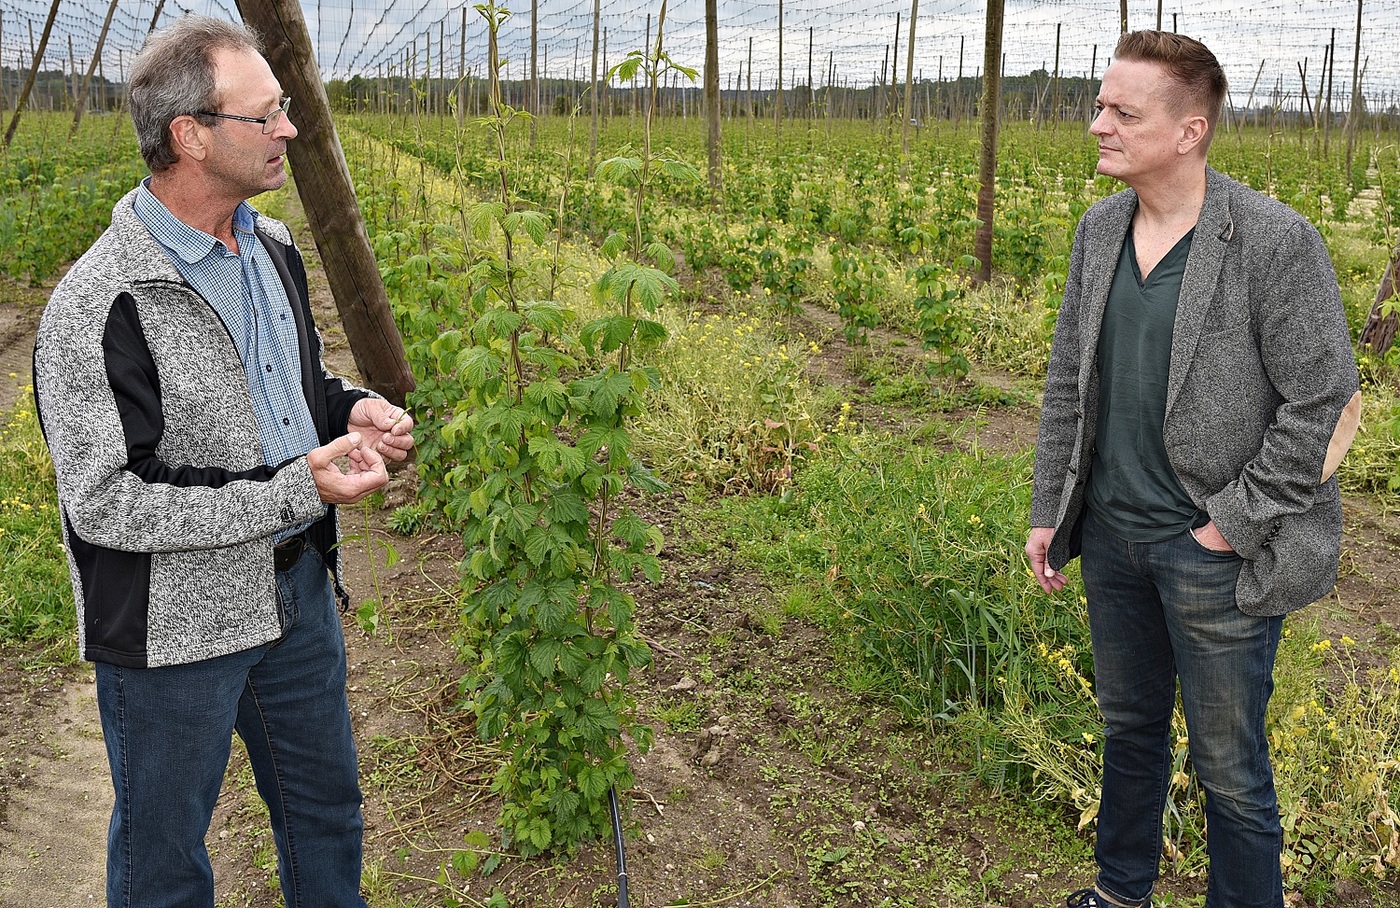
(36, 603)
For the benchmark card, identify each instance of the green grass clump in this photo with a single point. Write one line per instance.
(914, 554)
(36, 602)
(1372, 465)
(734, 409)
(911, 556)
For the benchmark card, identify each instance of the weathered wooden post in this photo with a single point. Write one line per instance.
(332, 211)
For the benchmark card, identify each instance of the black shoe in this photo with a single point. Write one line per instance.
(1084, 898)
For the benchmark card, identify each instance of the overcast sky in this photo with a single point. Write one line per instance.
(1263, 42)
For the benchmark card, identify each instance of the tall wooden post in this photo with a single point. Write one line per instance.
(462, 72)
(1354, 108)
(72, 70)
(332, 212)
(811, 86)
(595, 89)
(894, 68)
(532, 103)
(712, 99)
(778, 105)
(958, 92)
(909, 86)
(748, 92)
(991, 103)
(1378, 334)
(92, 66)
(1327, 108)
(38, 57)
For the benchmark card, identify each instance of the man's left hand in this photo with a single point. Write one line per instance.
(1209, 537)
(386, 428)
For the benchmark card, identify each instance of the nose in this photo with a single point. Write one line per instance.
(1099, 125)
(287, 127)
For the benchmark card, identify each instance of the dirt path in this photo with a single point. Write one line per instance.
(52, 843)
(54, 795)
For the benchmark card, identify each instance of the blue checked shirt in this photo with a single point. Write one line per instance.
(248, 295)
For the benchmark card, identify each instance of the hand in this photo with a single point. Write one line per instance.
(1050, 580)
(1209, 537)
(386, 428)
(366, 473)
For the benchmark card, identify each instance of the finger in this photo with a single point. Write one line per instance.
(337, 447)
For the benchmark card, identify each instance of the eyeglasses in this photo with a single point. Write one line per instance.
(269, 123)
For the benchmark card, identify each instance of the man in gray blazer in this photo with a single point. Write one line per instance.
(1202, 367)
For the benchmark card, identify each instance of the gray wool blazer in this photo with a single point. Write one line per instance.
(1261, 369)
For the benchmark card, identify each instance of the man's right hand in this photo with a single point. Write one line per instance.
(1050, 580)
(366, 474)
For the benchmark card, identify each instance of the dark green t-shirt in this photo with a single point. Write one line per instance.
(1132, 487)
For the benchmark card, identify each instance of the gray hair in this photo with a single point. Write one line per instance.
(173, 76)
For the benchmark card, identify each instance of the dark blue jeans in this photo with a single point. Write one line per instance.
(169, 730)
(1160, 613)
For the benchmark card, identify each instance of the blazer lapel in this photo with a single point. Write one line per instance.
(1215, 230)
(1102, 251)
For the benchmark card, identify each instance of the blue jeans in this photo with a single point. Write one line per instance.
(169, 731)
(1159, 613)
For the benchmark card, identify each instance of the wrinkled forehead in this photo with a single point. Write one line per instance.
(242, 76)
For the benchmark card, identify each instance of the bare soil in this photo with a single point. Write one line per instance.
(769, 783)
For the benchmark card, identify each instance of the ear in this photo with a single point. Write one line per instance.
(1194, 130)
(188, 138)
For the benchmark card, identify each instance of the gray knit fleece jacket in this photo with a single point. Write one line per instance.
(168, 509)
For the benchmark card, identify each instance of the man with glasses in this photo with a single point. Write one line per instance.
(200, 448)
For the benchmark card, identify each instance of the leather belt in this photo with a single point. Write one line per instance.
(288, 552)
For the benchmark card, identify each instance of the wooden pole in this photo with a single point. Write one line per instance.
(596, 89)
(778, 101)
(532, 103)
(830, 80)
(462, 72)
(958, 100)
(748, 92)
(38, 58)
(1353, 109)
(1249, 104)
(1327, 108)
(1056, 114)
(92, 66)
(72, 71)
(811, 86)
(991, 100)
(909, 86)
(1378, 334)
(1305, 110)
(646, 49)
(894, 67)
(328, 196)
(712, 137)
